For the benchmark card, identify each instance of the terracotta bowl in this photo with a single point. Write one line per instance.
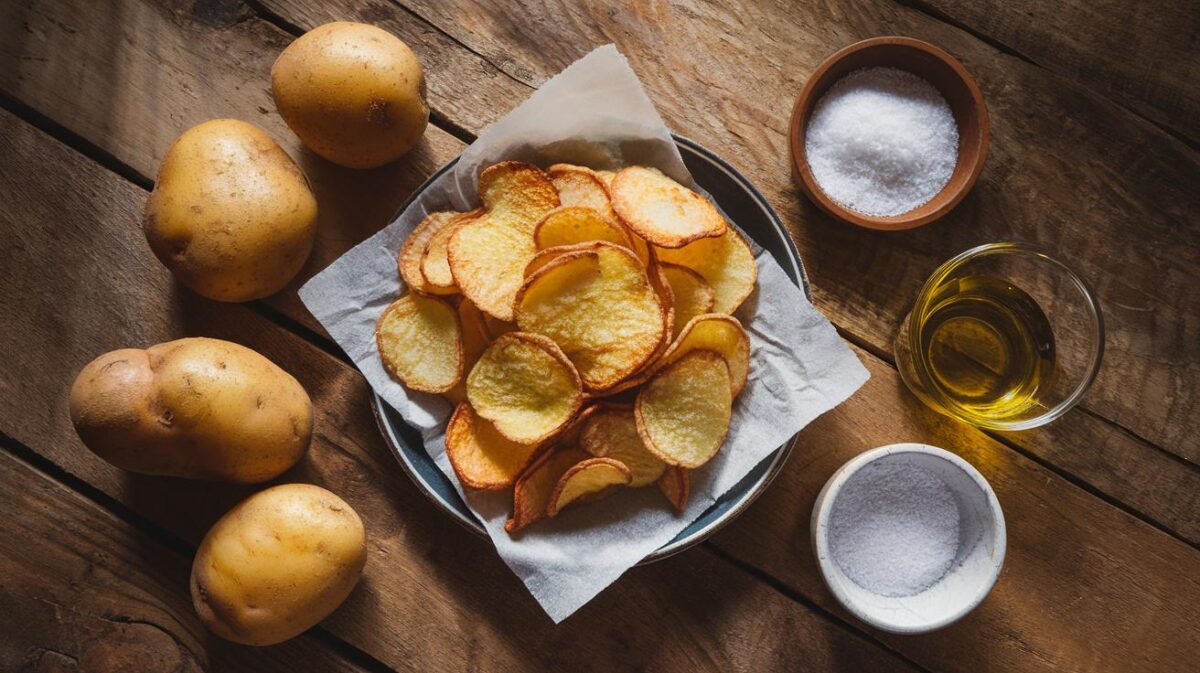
(933, 65)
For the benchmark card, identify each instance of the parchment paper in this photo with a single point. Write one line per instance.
(594, 113)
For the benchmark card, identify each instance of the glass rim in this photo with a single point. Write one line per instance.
(1011, 248)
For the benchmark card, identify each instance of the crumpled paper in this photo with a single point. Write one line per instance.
(594, 113)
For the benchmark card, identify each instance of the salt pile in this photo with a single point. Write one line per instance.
(894, 529)
(882, 142)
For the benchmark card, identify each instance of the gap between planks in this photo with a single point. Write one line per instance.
(116, 166)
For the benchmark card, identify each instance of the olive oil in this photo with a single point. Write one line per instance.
(987, 347)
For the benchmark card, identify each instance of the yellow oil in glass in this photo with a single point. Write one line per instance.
(987, 348)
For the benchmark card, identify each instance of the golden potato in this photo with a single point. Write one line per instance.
(277, 563)
(353, 93)
(197, 408)
(231, 215)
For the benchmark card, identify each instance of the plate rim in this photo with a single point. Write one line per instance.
(777, 457)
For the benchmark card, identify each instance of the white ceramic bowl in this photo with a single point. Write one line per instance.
(982, 541)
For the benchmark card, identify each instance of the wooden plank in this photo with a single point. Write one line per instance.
(433, 596)
(1059, 171)
(427, 575)
(130, 76)
(865, 280)
(203, 81)
(86, 591)
(1143, 57)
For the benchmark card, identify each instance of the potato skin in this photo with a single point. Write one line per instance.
(197, 408)
(353, 93)
(277, 563)
(231, 214)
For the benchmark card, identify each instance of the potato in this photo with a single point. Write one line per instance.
(355, 94)
(197, 408)
(231, 215)
(277, 563)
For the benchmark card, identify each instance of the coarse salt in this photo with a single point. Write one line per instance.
(894, 529)
(882, 142)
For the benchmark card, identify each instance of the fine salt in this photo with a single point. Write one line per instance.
(882, 142)
(894, 529)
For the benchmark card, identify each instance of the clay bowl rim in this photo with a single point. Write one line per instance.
(945, 200)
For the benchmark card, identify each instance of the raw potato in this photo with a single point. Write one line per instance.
(526, 386)
(197, 408)
(482, 457)
(683, 413)
(612, 432)
(277, 564)
(598, 305)
(355, 94)
(693, 295)
(420, 342)
(661, 210)
(231, 215)
(726, 263)
(587, 480)
(488, 256)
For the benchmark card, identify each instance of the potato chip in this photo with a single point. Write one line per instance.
(599, 307)
(533, 489)
(413, 251)
(580, 186)
(576, 224)
(611, 432)
(693, 295)
(683, 413)
(590, 477)
(474, 333)
(716, 332)
(435, 266)
(726, 263)
(606, 177)
(488, 256)
(661, 210)
(496, 327)
(525, 386)
(483, 458)
(420, 343)
(675, 484)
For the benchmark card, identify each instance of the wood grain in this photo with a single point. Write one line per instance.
(427, 575)
(1068, 169)
(433, 596)
(1143, 57)
(866, 280)
(86, 591)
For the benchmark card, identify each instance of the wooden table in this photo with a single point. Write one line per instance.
(1095, 122)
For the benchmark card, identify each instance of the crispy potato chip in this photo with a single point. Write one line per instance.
(576, 224)
(526, 386)
(569, 436)
(639, 246)
(661, 210)
(483, 458)
(675, 485)
(726, 263)
(488, 256)
(420, 343)
(580, 186)
(606, 177)
(693, 295)
(533, 489)
(716, 332)
(592, 476)
(413, 251)
(611, 432)
(496, 327)
(683, 412)
(599, 307)
(435, 266)
(474, 333)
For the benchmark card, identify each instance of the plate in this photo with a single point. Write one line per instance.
(745, 206)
